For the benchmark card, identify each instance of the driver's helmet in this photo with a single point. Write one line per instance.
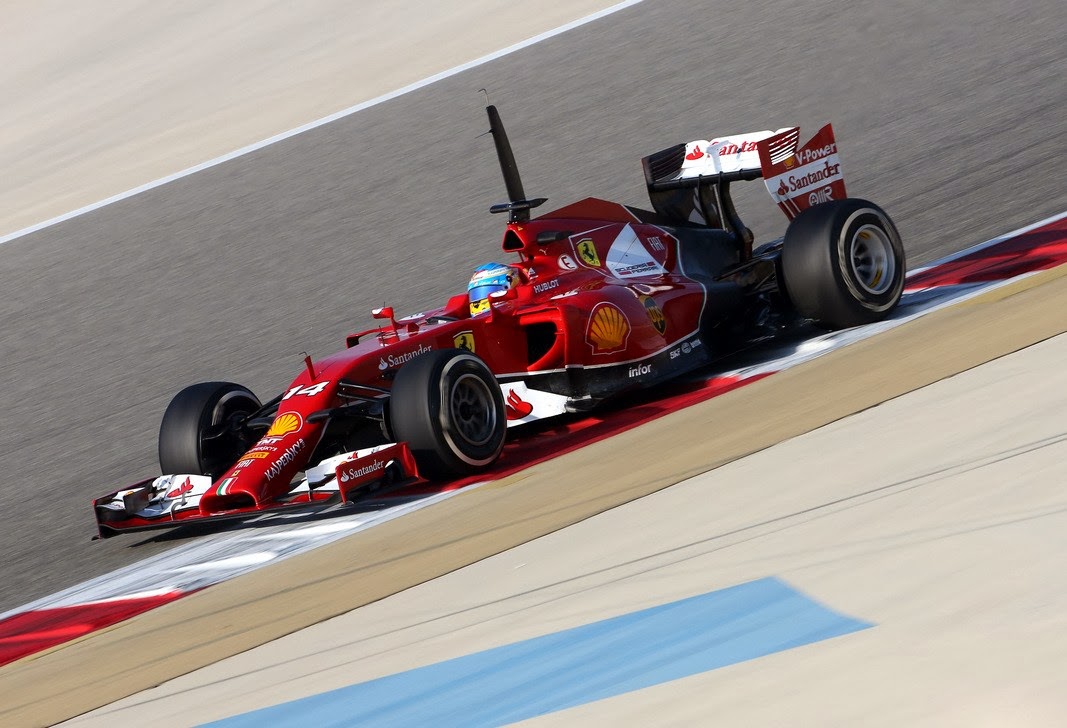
(487, 280)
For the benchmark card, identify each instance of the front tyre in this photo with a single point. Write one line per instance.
(843, 263)
(447, 406)
(200, 432)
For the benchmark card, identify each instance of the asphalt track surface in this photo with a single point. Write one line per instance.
(575, 489)
(949, 115)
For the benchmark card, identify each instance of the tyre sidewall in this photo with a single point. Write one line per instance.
(194, 410)
(473, 455)
(420, 413)
(817, 270)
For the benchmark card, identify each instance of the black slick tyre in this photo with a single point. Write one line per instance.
(447, 406)
(843, 263)
(198, 434)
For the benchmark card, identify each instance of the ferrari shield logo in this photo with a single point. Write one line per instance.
(587, 252)
(464, 340)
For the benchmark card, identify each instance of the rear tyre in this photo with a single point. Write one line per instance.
(843, 263)
(447, 406)
(200, 433)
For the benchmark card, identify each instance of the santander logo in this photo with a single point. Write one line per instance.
(696, 154)
(353, 473)
(742, 148)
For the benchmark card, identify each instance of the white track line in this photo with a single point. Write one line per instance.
(994, 241)
(320, 122)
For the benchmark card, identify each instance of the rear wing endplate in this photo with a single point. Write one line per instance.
(796, 177)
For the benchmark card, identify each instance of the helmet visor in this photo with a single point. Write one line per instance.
(480, 292)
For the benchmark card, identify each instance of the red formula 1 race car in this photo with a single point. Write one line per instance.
(603, 298)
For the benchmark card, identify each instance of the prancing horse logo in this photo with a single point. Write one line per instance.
(587, 252)
(464, 340)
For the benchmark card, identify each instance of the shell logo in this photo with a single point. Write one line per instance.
(608, 329)
(286, 423)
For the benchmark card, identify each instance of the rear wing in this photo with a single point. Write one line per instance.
(690, 181)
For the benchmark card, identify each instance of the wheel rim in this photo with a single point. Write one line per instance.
(473, 411)
(873, 262)
(217, 448)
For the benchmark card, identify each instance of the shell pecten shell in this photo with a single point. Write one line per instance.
(608, 329)
(285, 423)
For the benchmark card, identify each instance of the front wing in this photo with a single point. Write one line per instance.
(174, 500)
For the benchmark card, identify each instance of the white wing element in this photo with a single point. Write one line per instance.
(166, 494)
(629, 258)
(735, 153)
(799, 178)
(529, 405)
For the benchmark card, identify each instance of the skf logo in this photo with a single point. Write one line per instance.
(587, 252)
(608, 329)
(464, 340)
(286, 423)
(655, 314)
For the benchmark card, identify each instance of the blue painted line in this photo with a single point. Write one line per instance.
(562, 670)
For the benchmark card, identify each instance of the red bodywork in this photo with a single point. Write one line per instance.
(611, 298)
(604, 307)
(596, 319)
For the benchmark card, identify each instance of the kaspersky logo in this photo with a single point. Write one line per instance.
(392, 361)
(287, 457)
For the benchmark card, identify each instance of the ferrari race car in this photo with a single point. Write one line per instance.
(603, 298)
